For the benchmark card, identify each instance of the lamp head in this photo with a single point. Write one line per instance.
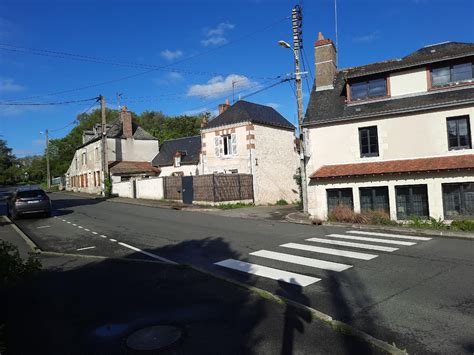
(284, 44)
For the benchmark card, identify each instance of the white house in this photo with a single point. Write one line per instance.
(178, 157)
(394, 135)
(130, 150)
(249, 138)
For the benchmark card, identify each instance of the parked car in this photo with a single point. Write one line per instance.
(28, 201)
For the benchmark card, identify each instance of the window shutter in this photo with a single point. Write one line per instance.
(216, 146)
(234, 143)
(221, 146)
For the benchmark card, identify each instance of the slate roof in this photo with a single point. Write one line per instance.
(190, 146)
(132, 167)
(330, 105)
(395, 167)
(244, 111)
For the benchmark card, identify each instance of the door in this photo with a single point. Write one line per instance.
(187, 189)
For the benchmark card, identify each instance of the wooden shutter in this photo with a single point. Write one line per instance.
(221, 146)
(216, 146)
(234, 143)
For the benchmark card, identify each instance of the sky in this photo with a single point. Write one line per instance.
(181, 57)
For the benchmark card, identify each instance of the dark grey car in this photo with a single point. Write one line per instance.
(28, 201)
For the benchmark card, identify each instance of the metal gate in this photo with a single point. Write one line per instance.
(187, 189)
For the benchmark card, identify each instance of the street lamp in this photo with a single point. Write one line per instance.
(299, 103)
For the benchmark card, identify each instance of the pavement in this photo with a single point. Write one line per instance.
(88, 305)
(411, 292)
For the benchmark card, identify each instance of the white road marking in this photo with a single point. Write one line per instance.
(268, 272)
(146, 253)
(75, 225)
(80, 227)
(390, 235)
(87, 230)
(41, 227)
(69, 222)
(352, 245)
(376, 240)
(95, 233)
(86, 248)
(338, 252)
(300, 260)
(103, 236)
(63, 220)
(113, 240)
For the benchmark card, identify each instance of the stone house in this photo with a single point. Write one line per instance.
(178, 157)
(394, 135)
(130, 150)
(250, 138)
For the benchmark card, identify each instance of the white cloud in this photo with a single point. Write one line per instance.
(218, 85)
(368, 37)
(171, 55)
(170, 78)
(175, 76)
(216, 36)
(9, 85)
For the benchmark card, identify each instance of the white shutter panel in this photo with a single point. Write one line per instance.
(221, 146)
(234, 143)
(216, 146)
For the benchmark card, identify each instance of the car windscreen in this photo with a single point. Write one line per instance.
(30, 194)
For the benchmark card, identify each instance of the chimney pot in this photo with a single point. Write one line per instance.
(223, 107)
(127, 128)
(320, 36)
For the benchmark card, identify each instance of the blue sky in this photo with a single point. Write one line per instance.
(190, 34)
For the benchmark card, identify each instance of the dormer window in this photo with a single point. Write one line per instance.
(452, 74)
(177, 159)
(369, 89)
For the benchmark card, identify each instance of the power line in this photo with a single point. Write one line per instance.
(45, 103)
(153, 69)
(75, 121)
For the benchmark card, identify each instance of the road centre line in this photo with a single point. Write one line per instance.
(86, 248)
(147, 253)
(390, 235)
(41, 227)
(95, 233)
(113, 240)
(80, 227)
(271, 273)
(300, 260)
(103, 236)
(87, 230)
(352, 245)
(74, 224)
(338, 252)
(375, 240)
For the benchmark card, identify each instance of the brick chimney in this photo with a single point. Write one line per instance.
(126, 117)
(325, 63)
(223, 107)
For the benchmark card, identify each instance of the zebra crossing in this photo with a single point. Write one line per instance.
(355, 240)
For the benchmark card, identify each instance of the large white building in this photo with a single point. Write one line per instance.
(394, 135)
(130, 150)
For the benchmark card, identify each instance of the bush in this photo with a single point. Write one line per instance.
(108, 186)
(466, 225)
(417, 222)
(231, 206)
(379, 217)
(12, 267)
(344, 213)
(281, 202)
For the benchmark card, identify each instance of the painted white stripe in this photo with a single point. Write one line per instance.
(95, 233)
(113, 240)
(86, 248)
(41, 227)
(390, 235)
(103, 236)
(300, 260)
(87, 230)
(147, 253)
(68, 222)
(80, 227)
(338, 252)
(376, 240)
(63, 220)
(352, 245)
(268, 272)
(75, 225)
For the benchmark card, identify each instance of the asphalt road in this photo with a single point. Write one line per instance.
(419, 296)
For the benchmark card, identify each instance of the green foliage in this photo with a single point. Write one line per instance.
(466, 225)
(12, 267)
(417, 222)
(108, 186)
(297, 178)
(281, 202)
(231, 206)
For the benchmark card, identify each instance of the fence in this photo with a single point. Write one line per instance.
(212, 188)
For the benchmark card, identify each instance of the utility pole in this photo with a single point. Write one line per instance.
(105, 163)
(297, 22)
(48, 172)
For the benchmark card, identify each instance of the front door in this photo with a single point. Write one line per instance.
(187, 189)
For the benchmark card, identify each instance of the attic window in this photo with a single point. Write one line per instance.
(368, 89)
(177, 161)
(452, 75)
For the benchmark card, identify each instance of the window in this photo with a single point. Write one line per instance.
(177, 161)
(368, 89)
(458, 200)
(338, 197)
(225, 145)
(84, 158)
(459, 133)
(368, 140)
(374, 198)
(97, 157)
(452, 74)
(412, 201)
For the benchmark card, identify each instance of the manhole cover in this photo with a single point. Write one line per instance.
(153, 338)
